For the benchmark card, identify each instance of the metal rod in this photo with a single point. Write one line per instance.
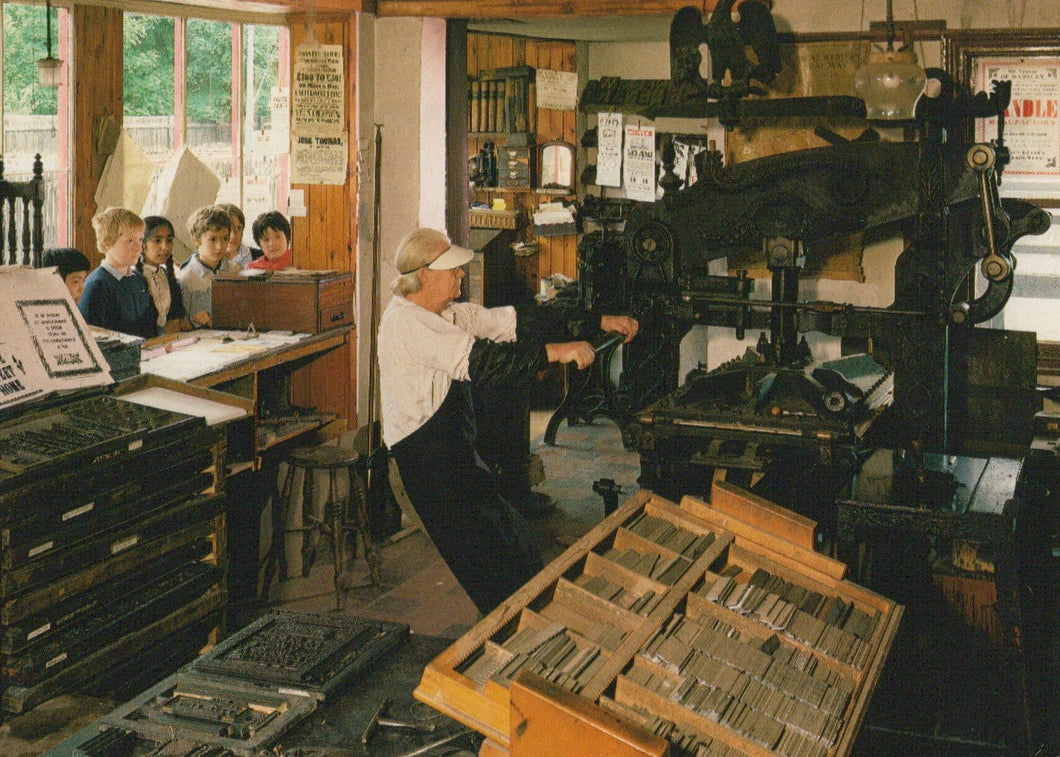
(819, 306)
(435, 744)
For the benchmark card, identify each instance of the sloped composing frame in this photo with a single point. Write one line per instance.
(676, 619)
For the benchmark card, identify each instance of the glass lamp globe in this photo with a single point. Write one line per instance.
(890, 84)
(49, 71)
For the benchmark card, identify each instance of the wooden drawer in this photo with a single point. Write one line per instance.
(302, 301)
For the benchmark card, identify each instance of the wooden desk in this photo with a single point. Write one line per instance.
(262, 377)
(314, 345)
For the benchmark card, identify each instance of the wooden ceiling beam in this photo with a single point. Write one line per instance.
(480, 9)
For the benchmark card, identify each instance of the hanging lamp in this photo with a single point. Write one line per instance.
(49, 69)
(890, 82)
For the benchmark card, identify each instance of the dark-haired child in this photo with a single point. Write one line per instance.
(72, 265)
(156, 265)
(272, 233)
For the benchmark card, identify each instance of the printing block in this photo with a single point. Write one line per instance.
(311, 653)
(241, 695)
(242, 719)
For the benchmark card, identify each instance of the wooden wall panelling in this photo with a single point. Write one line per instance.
(97, 80)
(323, 239)
(487, 51)
(557, 254)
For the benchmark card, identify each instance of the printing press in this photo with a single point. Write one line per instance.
(952, 410)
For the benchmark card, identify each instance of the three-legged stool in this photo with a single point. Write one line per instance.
(336, 521)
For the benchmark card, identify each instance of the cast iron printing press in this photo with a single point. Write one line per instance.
(926, 425)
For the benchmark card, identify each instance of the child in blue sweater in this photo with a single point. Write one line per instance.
(116, 295)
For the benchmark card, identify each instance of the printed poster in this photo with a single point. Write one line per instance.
(1032, 120)
(609, 149)
(318, 93)
(557, 90)
(638, 168)
(319, 159)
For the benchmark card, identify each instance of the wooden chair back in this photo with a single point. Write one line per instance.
(22, 218)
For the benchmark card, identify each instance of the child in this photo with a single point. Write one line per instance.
(72, 265)
(210, 229)
(116, 295)
(238, 253)
(272, 233)
(156, 265)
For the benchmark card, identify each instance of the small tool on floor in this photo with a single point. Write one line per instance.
(380, 720)
(444, 741)
(609, 490)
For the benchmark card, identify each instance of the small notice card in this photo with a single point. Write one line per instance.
(609, 150)
(638, 166)
(557, 89)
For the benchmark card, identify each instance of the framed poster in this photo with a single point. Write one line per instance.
(1030, 59)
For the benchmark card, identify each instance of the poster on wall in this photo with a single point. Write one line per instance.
(1032, 119)
(609, 149)
(638, 166)
(319, 159)
(557, 90)
(274, 137)
(318, 93)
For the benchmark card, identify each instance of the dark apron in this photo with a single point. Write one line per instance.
(483, 540)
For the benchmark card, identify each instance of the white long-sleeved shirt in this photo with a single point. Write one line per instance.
(421, 353)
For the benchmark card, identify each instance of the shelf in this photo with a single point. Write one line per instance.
(511, 190)
(271, 433)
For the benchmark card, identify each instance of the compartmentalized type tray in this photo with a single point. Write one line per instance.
(701, 627)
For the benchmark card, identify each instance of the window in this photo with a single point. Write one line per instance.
(35, 118)
(220, 89)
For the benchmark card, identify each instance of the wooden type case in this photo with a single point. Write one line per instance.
(303, 301)
(639, 598)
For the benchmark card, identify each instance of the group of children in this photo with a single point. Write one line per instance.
(138, 290)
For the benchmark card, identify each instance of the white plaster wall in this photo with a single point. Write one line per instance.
(402, 88)
(389, 82)
(432, 125)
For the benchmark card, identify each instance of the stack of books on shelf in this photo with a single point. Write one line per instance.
(501, 100)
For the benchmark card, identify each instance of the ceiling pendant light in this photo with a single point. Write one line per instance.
(49, 69)
(890, 82)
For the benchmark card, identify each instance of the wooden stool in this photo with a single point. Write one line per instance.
(336, 521)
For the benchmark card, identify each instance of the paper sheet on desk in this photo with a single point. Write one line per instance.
(214, 351)
(167, 399)
(245, 348)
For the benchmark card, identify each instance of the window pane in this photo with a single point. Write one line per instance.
(210, 121)
(1035, 302)
(265, 125)
(31, 112)
(149, 86)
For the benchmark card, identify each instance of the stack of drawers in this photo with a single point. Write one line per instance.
(514, 166)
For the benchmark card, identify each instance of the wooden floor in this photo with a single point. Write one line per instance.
(417, 588)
